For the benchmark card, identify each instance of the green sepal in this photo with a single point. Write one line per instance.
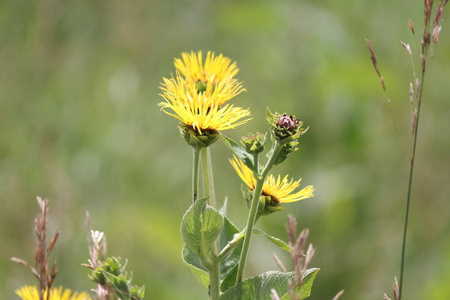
(307, 282)
(266, 205)
(259, 287)
(254, 143)
(196, 139)
(200, 227)
(240, 152)
(192, 261)
(280, 243)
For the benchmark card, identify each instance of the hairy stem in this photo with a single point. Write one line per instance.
(254, 208)
(214, 280)
(208, 191)
(195, 168)
(208, 179)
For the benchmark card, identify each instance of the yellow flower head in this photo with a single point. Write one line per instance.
(281, 190)
(32, 293)
(215, 69)
(185, 90)
(201, 111)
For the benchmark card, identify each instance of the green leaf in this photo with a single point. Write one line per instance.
(307, 283)
(228, 265)
(200, 227)
(119, 284)
(230, 278)
(228, 232)
(259, 287)
(223, 209)
(240, 152)
(280, 243)
(192, 261)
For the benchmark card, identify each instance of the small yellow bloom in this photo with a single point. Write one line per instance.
(281, 190)
(201, 111)
(215, 69)
(32, 293)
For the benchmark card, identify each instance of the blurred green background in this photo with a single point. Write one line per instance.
(80, 125)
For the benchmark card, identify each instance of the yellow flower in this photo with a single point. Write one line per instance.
(281, 190)
(185, 90)
(32, 293)
(200, 111)
(215, 69)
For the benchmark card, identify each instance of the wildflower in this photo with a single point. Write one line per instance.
(200, 111)
(215, 69)
(200, 114)
(217, 94)
(32, 293)
(276, 190)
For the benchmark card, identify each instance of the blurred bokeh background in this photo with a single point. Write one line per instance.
(80, 125)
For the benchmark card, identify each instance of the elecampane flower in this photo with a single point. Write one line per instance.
(201, 116)
(281, 190)
(201, 111)
(32, 293)
(215, 68)
(185, 90)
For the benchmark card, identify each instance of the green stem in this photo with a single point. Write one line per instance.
(254, 209)
(408, 197)
(208, 191)
(212, 191)
(214, 280)
(208, 179)
(230, 246)
(195, 168)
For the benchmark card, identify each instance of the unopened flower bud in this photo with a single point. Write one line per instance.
(198, 139)
(254, 143)
(285, 128)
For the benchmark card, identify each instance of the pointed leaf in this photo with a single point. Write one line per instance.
(223, 209)
(119, 285)
(228, 265)
(240, 152)
(280, 243)
(195, 266)
(307, 282)
(259, 287)
(200, 227)
(230, 278)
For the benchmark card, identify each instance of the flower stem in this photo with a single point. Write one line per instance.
(208, 179)
(408, 197)
(195, 168)
(254, 208)
(209, 191)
